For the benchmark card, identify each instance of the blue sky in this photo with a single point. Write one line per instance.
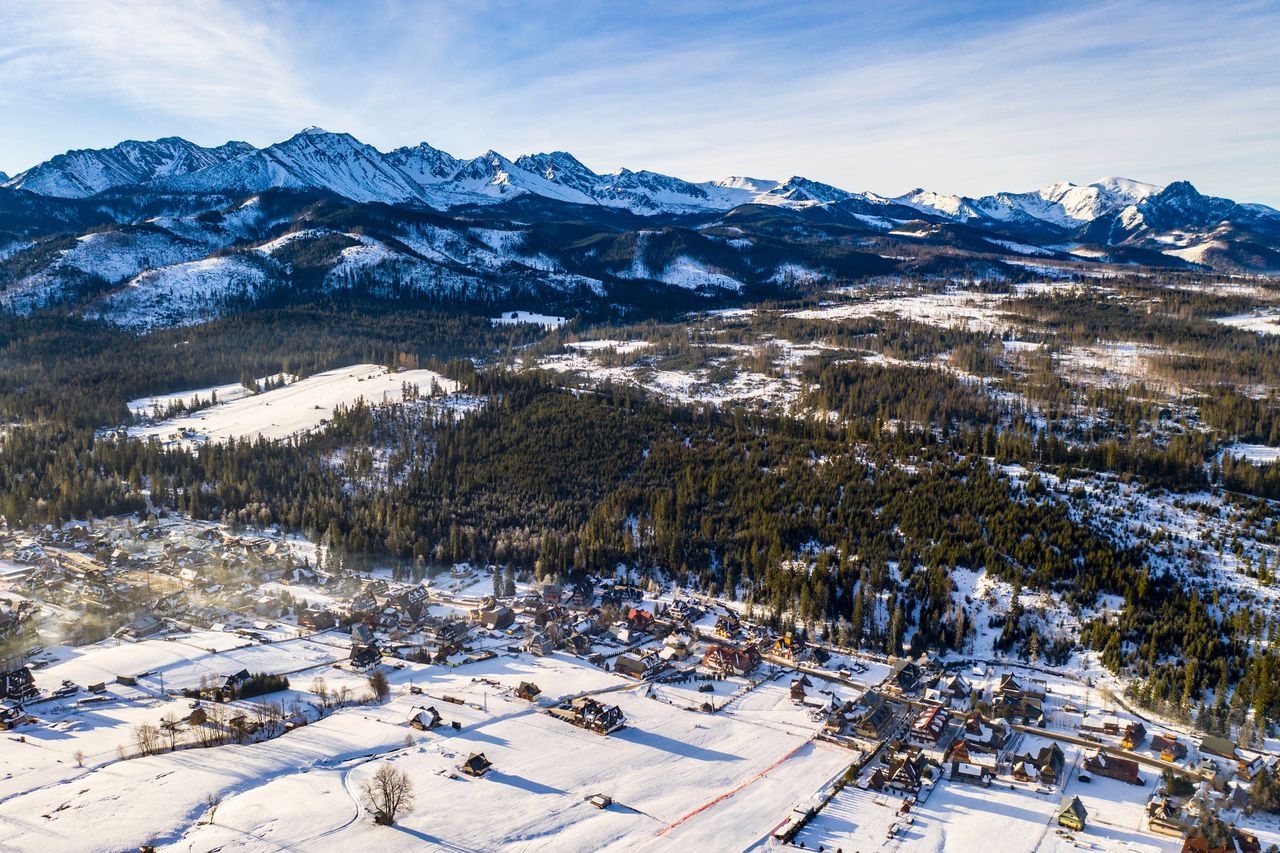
(956, 97)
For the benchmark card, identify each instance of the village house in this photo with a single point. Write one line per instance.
(528, 691)
(930, 725)
(1165, 818)
(727, 660)
(875, 717)
(498, 618)
(1029, 688)
(1073, 815)
(425, 719)
(1102, 763)
(953, 690)
(1045, 765)
(1026, 710)
(1218, 747)
(1134, 735)
(587, 713)
(985, 736)
(638, 666)
(18, 685)
(966, 767)
(1169, 748)
(789, 648)
(905, 676)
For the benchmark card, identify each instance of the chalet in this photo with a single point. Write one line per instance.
(316, 620)
(727, 660)
(1011, 685)
(232, 683)
(1026, 710)
(639, 620)
(1025, 771)
(1169, 748)
(476, 765)
(954, 690)
(789, 647)
(366, 659)
(905, 676)
(1250, 767)
(979, 770)
(798, 686)
(1047, 763)
(18, 685)
(11, 716)
(726, 627)
(539, 643)
(587, 713)
(550, 592)
(1102, 763)
(361, 635)
(1072, 815)
(498, 618)
(1164, 817)
(685, 612)
(1218, 747)
(675, 647)
(903, 777)
(425, 719)
(528, 691)
(875, 716)
(985, 736)
(930, 725)
(1134, 735)
(638, 666)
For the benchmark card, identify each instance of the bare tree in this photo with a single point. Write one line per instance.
(388, 794)
(147, 738)
(379, 685)
(321, 688)
(169, 722)
(211, 802)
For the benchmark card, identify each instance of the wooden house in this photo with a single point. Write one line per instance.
(1103, 763)
(1072, 815)
(1169, 748)
(425, 719)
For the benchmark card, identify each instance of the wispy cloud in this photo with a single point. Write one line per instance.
(961, 97)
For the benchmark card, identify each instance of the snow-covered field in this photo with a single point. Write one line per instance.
(978, 312)
(1005, 818)
(293, 409)
(145, 406)
(1257, 453)
(545, 320)
(668, 772)
(1263, 324)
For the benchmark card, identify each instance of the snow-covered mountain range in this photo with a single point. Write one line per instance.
(339, 163)
(168, 232)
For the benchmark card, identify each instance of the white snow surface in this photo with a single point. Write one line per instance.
(294, 409)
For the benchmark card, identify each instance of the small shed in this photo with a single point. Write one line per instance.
(528, 691)
(476, 765)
